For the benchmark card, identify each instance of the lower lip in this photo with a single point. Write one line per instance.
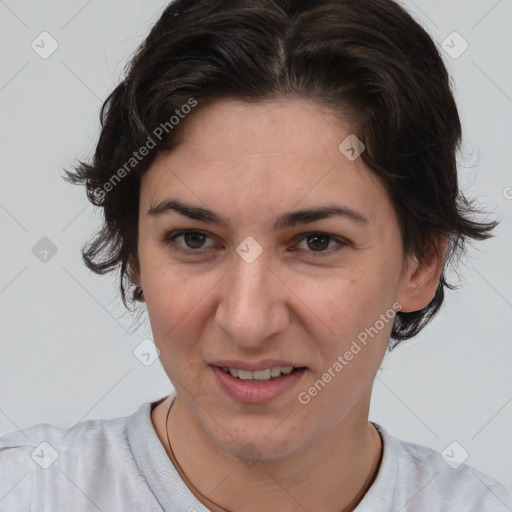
(253, 392)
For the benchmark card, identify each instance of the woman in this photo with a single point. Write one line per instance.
(278, 180)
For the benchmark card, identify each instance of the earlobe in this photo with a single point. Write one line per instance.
(421, 278)
(138, 294)
(134, 276)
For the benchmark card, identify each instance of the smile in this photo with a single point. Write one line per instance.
(257, 387)
(260, 375)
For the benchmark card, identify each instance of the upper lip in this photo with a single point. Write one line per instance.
(255, 366)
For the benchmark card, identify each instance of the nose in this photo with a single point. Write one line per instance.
(253, 303)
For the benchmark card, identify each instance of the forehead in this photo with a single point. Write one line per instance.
(239, 129)
(270, 154)
(228, 131)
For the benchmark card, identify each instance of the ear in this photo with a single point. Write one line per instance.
(421, 277)
(134, 271)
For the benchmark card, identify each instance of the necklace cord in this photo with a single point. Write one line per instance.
(355, 502)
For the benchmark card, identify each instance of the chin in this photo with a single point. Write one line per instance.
(253, 445)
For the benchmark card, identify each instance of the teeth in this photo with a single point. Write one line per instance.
(243, 375)
(262, 375)
(275, 372)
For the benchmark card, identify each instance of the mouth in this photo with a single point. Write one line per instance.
(259, 386)
(265, 375)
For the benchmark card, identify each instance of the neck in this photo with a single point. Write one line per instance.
(332, 474)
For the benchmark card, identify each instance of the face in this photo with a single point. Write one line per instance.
(234, 287)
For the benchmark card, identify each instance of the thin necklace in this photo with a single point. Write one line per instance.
(175, 460)
(351, 506)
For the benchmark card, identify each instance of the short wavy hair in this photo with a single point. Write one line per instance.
(368, 61)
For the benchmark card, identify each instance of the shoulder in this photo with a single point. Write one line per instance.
(44, 462)
(423, 479)
(43, 444)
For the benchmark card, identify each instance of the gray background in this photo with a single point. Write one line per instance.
(67, 344)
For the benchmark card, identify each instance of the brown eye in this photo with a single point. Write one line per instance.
(194, 240)
(318, 242)
(321, 244)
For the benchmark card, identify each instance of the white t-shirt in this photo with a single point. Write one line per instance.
(120, 465)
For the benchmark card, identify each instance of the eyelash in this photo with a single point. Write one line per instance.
(169, 242)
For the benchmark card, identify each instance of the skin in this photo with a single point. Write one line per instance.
(251, 163)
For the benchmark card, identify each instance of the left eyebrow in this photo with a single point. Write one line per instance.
(313, 214)
(285, 220)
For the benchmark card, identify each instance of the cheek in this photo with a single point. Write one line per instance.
(348, 306)
(180, 310)
(176, 305)
(353, 347)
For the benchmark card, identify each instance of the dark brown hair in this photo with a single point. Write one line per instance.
(366, 60)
